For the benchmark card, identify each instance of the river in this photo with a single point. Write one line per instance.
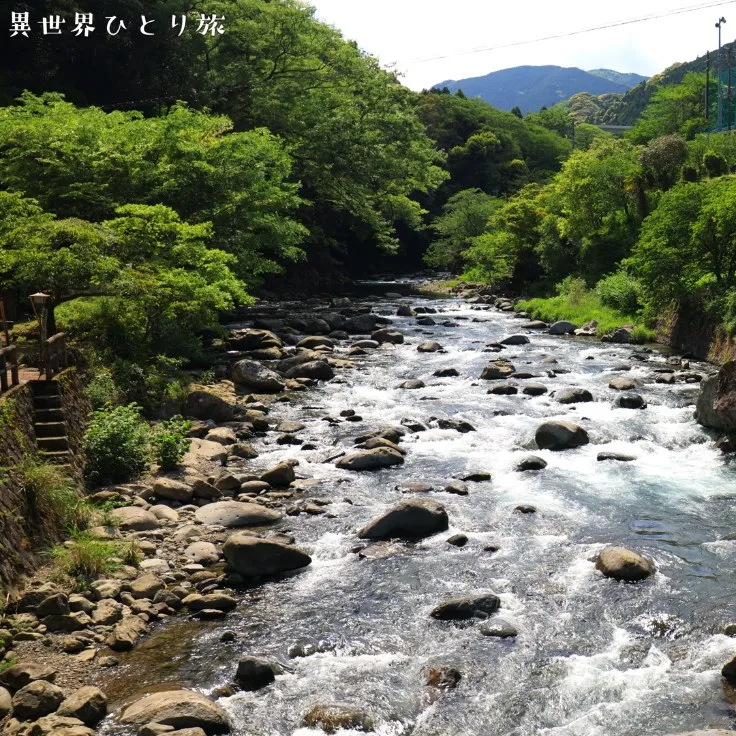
(593, 656)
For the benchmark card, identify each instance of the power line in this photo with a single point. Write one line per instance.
(615, 24)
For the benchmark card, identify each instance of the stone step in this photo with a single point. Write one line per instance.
(45, 388)
(60, 458)
(44, 416)
(49, 429)
(52, 444)
(47, 402)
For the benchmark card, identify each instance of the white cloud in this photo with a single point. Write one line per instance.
(407, 31)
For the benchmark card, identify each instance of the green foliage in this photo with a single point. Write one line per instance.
(676, 108)
(714, 164)
(464, 217)
(620, 291)
(169, 442)
(662, 161)
(83, 559)
(116, 445)
(52, 494)
(101, 388)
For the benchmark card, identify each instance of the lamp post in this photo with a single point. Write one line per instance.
(4, 320)
(721, 21)
(40, 304)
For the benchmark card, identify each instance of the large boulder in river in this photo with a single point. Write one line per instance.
(254, 340)
(515, 340)
(498, 370)
(179, 709)
(481, 606)
(281, 475)
(574, 396)
(317, 369)
(373, 459)
(414, 518)
(716, 406)
(361, 324)
(332, 717)
(236, 514)
(255, 557)
(89, 704)
(729, 673)
(256, 377)
(562, 328)
(560, 436)
(388, 335)
(620, 563)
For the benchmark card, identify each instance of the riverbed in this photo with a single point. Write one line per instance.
(592, 656)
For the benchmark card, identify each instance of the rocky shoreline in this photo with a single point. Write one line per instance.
(216, 527)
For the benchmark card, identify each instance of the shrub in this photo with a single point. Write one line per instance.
(620, 291)
(85, 558)
(52, 493)
(102, 390)
(116, 444)
(715, 164)
(169, 442)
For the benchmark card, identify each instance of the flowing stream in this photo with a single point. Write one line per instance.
(593, 657)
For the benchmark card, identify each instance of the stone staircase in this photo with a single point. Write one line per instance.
(49, 424)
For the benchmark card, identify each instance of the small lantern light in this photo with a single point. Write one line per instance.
(39, 300)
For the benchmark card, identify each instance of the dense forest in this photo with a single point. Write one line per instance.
(265, 149)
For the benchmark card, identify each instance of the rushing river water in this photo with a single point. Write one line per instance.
(593, 657)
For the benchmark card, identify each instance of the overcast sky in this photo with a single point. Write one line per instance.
(403, 32)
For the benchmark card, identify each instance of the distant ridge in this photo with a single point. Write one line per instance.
(531, 87)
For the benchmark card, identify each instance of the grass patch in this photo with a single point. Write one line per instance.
(84, 559)
(6, 664)
(53, 494)
(581, 305)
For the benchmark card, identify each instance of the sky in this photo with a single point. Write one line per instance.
(406, 33)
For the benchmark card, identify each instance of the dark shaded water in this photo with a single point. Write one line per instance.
(593, 657)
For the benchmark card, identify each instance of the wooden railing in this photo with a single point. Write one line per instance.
(8, 364)
(55, 357)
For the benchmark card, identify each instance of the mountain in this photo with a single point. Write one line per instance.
(625, 109)
(533, 87)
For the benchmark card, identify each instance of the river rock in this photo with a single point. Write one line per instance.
(205, 405)
(222, 435)
(562, 328)
(315, 341)
(236, 514)
(280, 476)
(499, 628)
(531, 462)
(254, 673)
(202, 553)
(379, 457)
(23, 673)
(172, 490)
(535, 324)
(333, 717)
(430, 347)
(6, 703)
(515, 340)
(361, 324)
(622, 384)
(253, 557)
(180, 709)
(243, 450)
(619, 456)
(558, 435)
(134, 519)
(412, 383)
(375, 442)
(125, 635)
(457, 488)
(107, 612)
(388, 335)
(446, 373)
(254, 340)
(534, 389)
(444, 678)
(498, 370)
(716, 405)
(620, 563)
(574, 396)
(504, 389)
(36, 699)
(203, 489)
(404, 310)
(146, 586)
(255, 377)
(164, 513)
(461, 609)
(729, 672)
(55, 605)
(200, 450)
(319, 370)
(414, 518)
(88, 704)
(459, 425)
(630, 401)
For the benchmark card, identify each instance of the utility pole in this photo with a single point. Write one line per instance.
(707, 89)
(573, 134)
(719, 116)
